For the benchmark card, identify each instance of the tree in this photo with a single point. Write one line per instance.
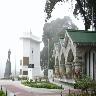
(84, 7)
(53, 31)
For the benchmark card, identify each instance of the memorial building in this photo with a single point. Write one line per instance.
(75, 55)
(29, 56)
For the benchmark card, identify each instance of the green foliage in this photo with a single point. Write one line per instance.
(42, 84)
(87, 86)
(50, 6)
(83, 7)
(2, 93)
(80, 94)
(84, 83)
(22, 78)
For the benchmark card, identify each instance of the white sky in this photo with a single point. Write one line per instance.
(18, 16)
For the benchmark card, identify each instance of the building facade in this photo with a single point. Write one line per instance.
(75, 55)
(29, 55)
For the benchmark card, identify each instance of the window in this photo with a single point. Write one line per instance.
(25, 61)
(25, 72)
(31, 66)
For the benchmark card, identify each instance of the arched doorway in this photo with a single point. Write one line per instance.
(70, 65)
(70, 57)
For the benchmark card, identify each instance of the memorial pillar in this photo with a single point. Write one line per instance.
(68, 66)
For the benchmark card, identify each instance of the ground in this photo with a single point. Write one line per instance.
(16, 88)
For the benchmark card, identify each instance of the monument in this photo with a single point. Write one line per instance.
(75, 55)
(8, 66)
(29, 56)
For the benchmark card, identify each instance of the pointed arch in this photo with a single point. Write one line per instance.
(70, 57)
(62, 61)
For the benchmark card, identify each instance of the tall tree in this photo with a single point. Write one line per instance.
(84, 7)
(53, 31)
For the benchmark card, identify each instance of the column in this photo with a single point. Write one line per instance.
(56, 67)
(68, 66)
(78, 68)
(56, 71)
(62, 70)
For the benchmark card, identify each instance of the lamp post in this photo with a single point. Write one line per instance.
(48, 56)
(48, 53)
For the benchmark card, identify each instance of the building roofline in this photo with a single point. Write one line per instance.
(31, 37)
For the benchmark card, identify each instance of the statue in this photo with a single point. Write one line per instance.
(9, 53)
(8, 66)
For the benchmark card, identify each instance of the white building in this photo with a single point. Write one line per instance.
(29, 56)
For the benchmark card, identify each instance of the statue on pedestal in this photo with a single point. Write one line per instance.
(8, 66)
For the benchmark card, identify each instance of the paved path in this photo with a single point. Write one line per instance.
(20, 90)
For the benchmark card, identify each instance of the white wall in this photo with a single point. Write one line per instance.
(34, 58)
(26, 47)
(50, 73)
(30, 73)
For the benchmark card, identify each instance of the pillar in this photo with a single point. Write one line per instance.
(62, 70)
(78, 68)
(56, 70)
(68, 66)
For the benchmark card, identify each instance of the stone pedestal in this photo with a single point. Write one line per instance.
(56, 71)
(78, 69)
(68, 66)
(73, 71)
(62, 70)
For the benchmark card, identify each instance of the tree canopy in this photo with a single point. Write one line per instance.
(83, 7)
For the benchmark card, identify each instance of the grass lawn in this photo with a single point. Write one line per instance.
(41, 84)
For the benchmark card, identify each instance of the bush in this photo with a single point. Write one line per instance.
(87, 85)
(83, 83)
(41, 84)
(2, 93)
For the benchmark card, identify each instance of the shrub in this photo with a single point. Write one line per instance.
(83, 83)
(2, 93)
(86, 84)
(41, 84)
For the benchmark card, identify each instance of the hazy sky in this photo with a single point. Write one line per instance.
(18, 16)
